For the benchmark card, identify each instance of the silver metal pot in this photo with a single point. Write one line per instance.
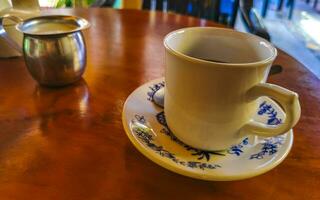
(53, 47)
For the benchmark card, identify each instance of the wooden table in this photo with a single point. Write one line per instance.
(69, 143)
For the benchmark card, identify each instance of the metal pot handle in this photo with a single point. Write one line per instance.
(4, 34)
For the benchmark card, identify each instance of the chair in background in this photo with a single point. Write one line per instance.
(221, 11)
(252, 20)
(103, 3)
(289, 4)
(315, 3)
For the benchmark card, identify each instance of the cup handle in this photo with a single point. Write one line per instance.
(4, 34)
(288, 100)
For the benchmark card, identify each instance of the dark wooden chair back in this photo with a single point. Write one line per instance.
(221, 11)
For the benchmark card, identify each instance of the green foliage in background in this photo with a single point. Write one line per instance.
(60, 3)
(73, 3)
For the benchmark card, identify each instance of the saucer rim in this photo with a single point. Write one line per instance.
(193, 174)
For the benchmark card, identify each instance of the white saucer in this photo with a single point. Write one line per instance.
(145, 125)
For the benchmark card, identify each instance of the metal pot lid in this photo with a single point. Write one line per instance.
(52, 25)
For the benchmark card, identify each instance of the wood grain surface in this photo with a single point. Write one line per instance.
(69, 143)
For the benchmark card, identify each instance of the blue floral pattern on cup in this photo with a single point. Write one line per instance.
(267, 109)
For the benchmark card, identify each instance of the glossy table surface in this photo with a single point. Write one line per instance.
(69, 143)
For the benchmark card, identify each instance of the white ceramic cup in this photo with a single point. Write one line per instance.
(210, 104)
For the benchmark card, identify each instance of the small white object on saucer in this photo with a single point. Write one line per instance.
(145, 125)
(158, 97)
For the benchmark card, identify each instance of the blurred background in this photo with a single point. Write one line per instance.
(291, 25)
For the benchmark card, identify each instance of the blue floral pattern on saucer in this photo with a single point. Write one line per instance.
(201, 154)
(237, 149)
(145, 126)
(269, 147)
(153, 89)
(145, 135)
